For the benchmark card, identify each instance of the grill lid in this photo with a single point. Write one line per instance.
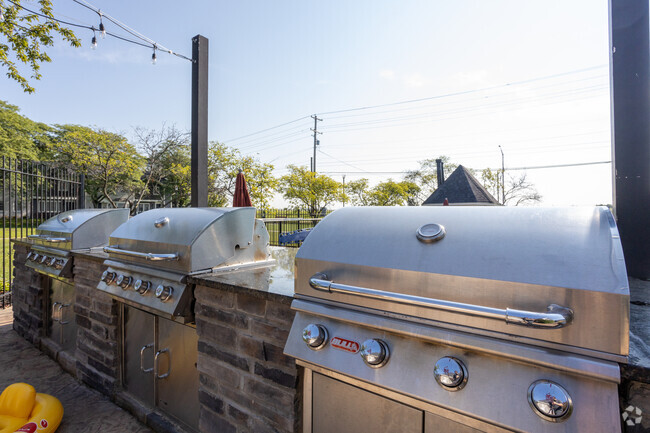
(559, 272)
(79, 229)
(186, 240)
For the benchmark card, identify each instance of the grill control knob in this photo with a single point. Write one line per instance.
(374, 352)
(108, 277)
(164, 292)
(59, 263)
(29, 255)
(44, 259)
(52, 261)
(450, 373)
(315, 336)
(124, 282)
(35, 257)
(550, 401)
(142, 287)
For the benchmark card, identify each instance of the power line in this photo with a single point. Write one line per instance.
(266, 129)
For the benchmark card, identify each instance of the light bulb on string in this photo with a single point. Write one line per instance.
(153, 56)
(102, 29)
(94, 42)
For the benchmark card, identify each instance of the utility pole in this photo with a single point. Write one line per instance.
(199, 161)
(503, 177)
(316, 142)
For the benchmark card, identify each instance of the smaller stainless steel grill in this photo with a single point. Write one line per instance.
(154, 252)
(75, 230)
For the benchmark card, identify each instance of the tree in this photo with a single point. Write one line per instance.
(425, 178)
(24, 34)
(21, 137)
(518, 190)
(159, 148)
(110, 163)
(223, 165)
(314, 191)
(388, 193)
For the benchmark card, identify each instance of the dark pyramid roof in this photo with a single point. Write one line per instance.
(461, 187)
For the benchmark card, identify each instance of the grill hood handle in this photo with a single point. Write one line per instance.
(556, 316)
(46, 238)
(115, 249)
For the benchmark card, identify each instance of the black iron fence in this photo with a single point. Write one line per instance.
(31, 193)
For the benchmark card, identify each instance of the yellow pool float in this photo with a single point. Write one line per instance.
(24, 410)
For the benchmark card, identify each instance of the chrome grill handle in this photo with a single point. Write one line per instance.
(556, 316)
(54, 311)
(147, 256)
(47, 238)
(61, 307)
(142, 350)
(169, 364)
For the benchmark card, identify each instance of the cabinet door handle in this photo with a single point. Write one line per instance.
(142, 350)
(54, 311)
(169, 364)
(61, 307)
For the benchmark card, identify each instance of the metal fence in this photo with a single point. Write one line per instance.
(31, 193)
(278, 226)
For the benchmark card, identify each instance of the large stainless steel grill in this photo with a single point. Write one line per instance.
(461, 319)
(154, 252)
(75, 230)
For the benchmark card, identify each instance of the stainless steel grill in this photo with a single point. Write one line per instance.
(461, 318)
(154, 252)
(75, 230)
(150, 258)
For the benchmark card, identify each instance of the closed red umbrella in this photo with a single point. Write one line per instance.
(241, 197)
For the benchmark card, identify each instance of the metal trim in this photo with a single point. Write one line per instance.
(47, 238)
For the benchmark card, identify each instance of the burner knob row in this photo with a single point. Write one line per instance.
(52, 262)
(162, 292)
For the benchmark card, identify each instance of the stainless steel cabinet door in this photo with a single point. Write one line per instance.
(64, 326)
(177, 378)
(437, 424)
(138, 354)
(341, 408)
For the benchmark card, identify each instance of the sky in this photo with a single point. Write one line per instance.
(447, 78)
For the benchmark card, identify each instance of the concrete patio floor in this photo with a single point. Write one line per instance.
(85, 410)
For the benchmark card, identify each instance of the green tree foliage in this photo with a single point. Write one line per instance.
(311, 190)
(21, 137)
(387, 193)
(174, 187)
(23, 35)
(223, 165)
(426, 178)
(111, 164)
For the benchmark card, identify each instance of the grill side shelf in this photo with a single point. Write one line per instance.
(556, 316)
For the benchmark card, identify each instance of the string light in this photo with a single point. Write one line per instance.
(102, 29)
(94, 41)
(153, 56)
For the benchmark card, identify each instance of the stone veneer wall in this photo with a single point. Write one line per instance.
(98, 362)
(28, 298)
(246, 382)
